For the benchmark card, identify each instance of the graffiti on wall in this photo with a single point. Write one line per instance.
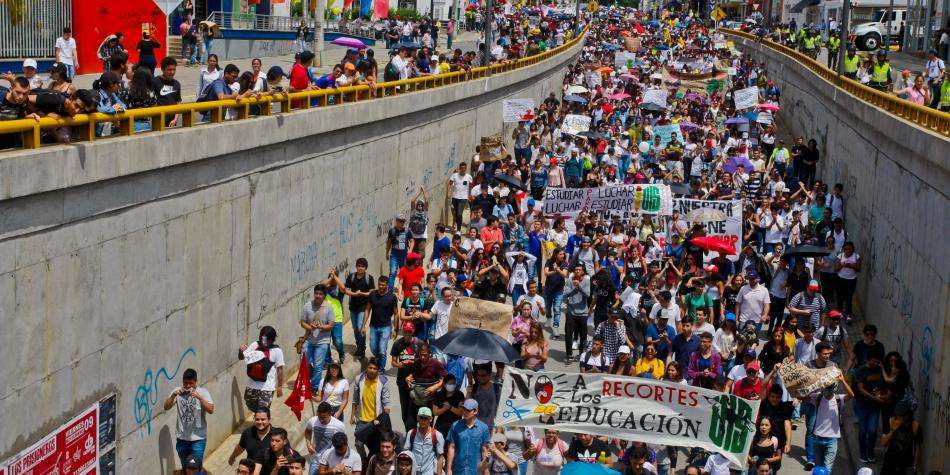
(147, 394)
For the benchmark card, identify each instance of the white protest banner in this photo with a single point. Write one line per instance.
(645, 410)
(666, 132)
(764, 117)
(575, 123)
(730, 228)
(746, 98)
(655, 96)
(630, 199)
(623, 58)
(517, 110)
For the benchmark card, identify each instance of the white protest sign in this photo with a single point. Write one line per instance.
(575, 123)
(666, 132)
(746, 98)
(764, 117)
(630, 199)
(731, 71)
(517, 110)
(640, 409)
(730, 228)
(655, 96)
(622, 58)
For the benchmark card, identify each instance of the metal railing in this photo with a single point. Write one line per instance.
(252, 21)
(38, 24)
(84, 125)
(925, 117)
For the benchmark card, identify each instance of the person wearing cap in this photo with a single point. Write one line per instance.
(274, 79)
(499, 459)
(881, 72)
(750, 386)
(403, 353)
(851, 62)
(835, 335)
(934, 69)
(623, 365)
(809, 305)
(467, 440)
(752, 302)
(426, 444)
(613, 334)
(338, 459)
(192, 403)
(398, 243)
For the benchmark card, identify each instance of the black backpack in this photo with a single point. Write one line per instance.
(259, 369)
(391, 73)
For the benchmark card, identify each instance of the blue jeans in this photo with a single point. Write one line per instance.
(868, 418)
(516, 294)
(826, 448)
(397, 259)
(337, 336)
(188, 448)
(809, 410)
(379, 343)
(552, 306)
(356, 319)
(70, 71)
(622, 166)
(317, 358)
(208, 43)
(193, 54)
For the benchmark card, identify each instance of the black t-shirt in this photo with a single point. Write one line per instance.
(555, 282)
(49, 102)
(166, 92)
(444, 421)
(487, 289)
(405, 353)
(147, 47)
(382, 308)
(270, 460)
(589, 454)
(778, 415)
(9, 110)
(256, 448)
(359, 284)
(862, 351)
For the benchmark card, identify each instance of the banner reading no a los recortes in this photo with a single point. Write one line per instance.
(629, 408)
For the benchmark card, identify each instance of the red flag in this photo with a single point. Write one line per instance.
(301, 393)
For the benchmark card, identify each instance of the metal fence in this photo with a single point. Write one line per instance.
(29, 28)
(251, 21)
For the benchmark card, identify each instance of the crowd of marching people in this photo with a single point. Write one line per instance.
(638, 295)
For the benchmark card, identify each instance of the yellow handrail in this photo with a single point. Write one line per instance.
(930, 119)
(31, 130)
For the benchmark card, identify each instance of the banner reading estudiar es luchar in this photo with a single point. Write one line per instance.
(648, 410)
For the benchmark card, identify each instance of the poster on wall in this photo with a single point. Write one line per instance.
(646, 410)
(517, 110)
(76, 447)
(730, 228)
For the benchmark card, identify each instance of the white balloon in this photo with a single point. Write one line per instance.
(644, 147)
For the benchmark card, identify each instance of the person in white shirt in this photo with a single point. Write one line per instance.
(458, 183)
(665, 308)
(401, 63)
(934, 67)
(774, 226)
(752, 302)
(66, 52)
(534, 299)
(441, 310)
(320, 430)
(827, 429)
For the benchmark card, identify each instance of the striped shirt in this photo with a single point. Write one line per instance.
(815, 305)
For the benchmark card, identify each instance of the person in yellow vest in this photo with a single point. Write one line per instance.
(833, 45)
(944, 98)
(881, 73)
(811, 44)
(851, 62)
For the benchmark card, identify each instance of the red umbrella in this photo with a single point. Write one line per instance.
(715, 243)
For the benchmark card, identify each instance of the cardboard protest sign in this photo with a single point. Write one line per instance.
(492, 149)
(483, 314)
(730, 228)
(646, 410)
(517, 110)
(800, 380)
(575, 123)
(746, 98)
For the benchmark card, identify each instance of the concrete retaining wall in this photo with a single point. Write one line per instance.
(896, 181)
(123, 258)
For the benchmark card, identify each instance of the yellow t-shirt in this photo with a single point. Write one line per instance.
(656, 367)
(368, 400)
(790, 342)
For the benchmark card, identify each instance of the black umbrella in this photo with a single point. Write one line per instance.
(513, 182)
(808, 251)
(478, 344)
(591, 134)
(649, 106)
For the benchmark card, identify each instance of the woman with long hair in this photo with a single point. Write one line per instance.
(725, 342)
(208, 74)
(59, 80)
(774, 351)
(521, 325)
(649, 366)
(897, 382)
(534, 351)
(765, 445)
(140, 95)
(334, 390)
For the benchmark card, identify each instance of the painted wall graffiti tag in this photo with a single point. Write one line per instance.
(146, 395)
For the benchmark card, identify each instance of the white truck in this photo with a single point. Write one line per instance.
(870, 36)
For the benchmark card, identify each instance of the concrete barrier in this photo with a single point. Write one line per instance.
(124, 261)
(896, 180)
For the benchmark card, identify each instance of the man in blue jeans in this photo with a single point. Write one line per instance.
(191, 430)
(555, 272)
(358, 285)
(318, 319)
(871, 396)
(398, 243)
(809, 406)
(381, 306)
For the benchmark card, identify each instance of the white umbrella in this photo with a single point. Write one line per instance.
(577, 90)
(704, 215)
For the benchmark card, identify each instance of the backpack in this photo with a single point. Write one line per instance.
(208, 93)
(417, 223)
(259, 369)
(391, 73)
(352, 278)
(412, 441)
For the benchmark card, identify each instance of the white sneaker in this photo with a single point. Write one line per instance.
(574, 345)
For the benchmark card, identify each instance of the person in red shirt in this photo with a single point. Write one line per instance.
(491, 234)
(410, 274)
(300, 76)
(750, 386)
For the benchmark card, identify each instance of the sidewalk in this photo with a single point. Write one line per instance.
(188, 75)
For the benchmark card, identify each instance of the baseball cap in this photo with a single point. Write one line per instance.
(624, 349)
(834, 314)
(470, 404)
(29, 63)
(752, 365)
(586, 239)
(338, 440)
(730, 316)
(275, 72)
(424, 412)
(711, 268)
(752, 274)
(400, 217)
(408, 327)
(749, 354)
(498, 437)
(813, 285)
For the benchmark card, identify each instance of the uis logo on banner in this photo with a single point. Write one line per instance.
(733, 422)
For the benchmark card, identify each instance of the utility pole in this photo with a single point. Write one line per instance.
(489, 33)
(844, 29)
(890, 18)
(928, 29)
